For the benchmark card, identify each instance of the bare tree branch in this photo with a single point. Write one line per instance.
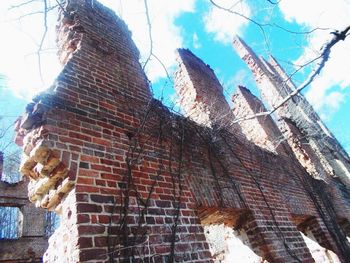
(274, 3)
(62, 8)
(22, 4)
(258, 24)
(163, 66)
(324, 56)
(149, 34)
(42, 39)
(301, 32)
(262, 25)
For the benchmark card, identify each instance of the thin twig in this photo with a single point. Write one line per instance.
(42, 39)
(21, 4)
(62, 8)
(149, 35)
(274, 3)
(258, 24)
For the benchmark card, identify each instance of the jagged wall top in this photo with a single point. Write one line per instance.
(90, 20)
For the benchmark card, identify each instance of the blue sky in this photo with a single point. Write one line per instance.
(208, 32)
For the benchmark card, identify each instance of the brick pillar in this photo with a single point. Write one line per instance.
(201, 94)
(261, 130)
(316, 149)
(274, 86)
(70, 131)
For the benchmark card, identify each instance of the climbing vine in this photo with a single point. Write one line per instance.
(170, 136)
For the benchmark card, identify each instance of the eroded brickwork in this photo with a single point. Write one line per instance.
(262, 130)
(201, 94)
(30, 243)
(134, 182)
(311, 142)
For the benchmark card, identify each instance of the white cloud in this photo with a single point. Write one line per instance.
(242, 77)
(195, 41)
(324, 14)
(223, 24)
(332, 104)
(334, 100)
(166, 35)
(19, 45)
(20, 40)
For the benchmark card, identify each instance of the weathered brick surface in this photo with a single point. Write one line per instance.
(31, 242)
(313, 144)
(135, 182)
(262, 130)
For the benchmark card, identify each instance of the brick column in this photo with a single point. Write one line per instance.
(201, 94)
(261, 130)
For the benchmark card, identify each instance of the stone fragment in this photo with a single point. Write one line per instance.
(54, 200)
(41, 152)
(59, 172)
(26, 167)
(29, 120)
(43, 185)
(45, 170)
(66, 186)
(31, 190)
(55, 196)
(45, 201)
(39, 109)
(38, 202)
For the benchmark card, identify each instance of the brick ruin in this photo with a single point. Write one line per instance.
(32, 242)
(28, 241)
(135, 182)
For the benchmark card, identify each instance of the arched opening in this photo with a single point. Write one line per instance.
(319, 253)
(225, 232)
(228, 245)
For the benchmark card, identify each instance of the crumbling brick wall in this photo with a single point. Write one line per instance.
(262, 130)
(135, 182)
(30, 242)
(316, 149)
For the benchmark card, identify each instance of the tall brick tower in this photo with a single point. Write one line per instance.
(312, 143)
(297, 117)
(201, 94)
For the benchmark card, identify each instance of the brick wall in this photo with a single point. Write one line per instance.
(30, 243)
(312, 143)
(262, 130)
(133, 181)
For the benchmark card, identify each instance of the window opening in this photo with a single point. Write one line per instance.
(10, 222)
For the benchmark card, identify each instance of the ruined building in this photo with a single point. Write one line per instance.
(134, 182)
(23, 239)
